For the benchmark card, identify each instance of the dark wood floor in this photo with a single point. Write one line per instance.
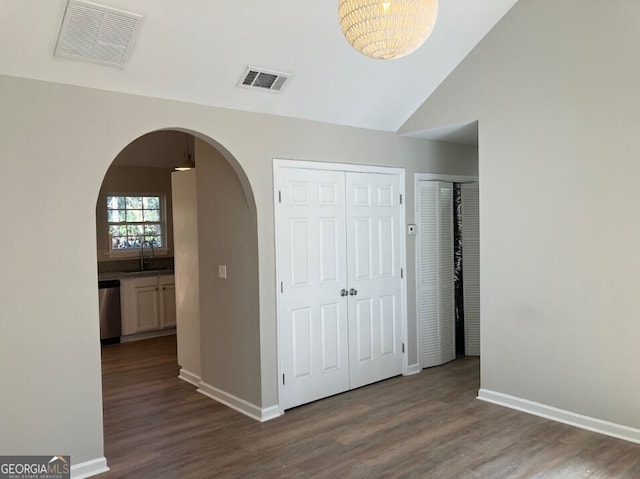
(429, 425)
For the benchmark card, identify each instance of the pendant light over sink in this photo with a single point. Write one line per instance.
(386, 29)
(188, 162)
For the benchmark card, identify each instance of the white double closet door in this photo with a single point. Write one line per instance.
(339, 267)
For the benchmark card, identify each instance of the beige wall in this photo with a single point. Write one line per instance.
(65, 138)
(229, 308)
(158, 149)
(137, 180)
(555, 89)
(187, 276)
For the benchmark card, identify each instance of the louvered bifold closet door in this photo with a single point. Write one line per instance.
(471, 267)
(446, 300)
(435, 273)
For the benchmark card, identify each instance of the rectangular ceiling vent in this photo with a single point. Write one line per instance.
(262, 79)
(97, 34)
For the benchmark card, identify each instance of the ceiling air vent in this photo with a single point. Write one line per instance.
(96, 33)
(264, 79)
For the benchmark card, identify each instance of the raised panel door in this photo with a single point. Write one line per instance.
(374, 235)
(312, 271)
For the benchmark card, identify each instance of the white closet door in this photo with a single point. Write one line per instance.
(312, 268)
(436, 293)
(373, 258)
(471, 267)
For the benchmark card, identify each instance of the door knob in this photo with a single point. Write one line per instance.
(353, 292)
(343, 292)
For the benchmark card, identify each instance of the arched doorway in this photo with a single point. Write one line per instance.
(226, 331)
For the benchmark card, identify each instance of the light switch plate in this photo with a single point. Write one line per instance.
(411, 230)
(222, 271)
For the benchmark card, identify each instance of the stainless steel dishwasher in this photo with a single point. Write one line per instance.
(109, 301)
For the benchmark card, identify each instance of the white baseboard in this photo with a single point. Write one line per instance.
(413, 369)
(189, 377)
(240, 405)
(147, 335)
(89, 468)
(270, 413)
(560, 415)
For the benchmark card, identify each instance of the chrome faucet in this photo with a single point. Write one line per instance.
(142, 253)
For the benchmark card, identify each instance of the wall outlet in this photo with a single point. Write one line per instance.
(411, 230)
(222, 271)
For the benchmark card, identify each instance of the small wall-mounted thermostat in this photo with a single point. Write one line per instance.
(222, 271)
(411, 230)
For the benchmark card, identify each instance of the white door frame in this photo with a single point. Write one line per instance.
(429, 177)
(347, 167)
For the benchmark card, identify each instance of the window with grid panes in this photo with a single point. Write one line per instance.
(134, 220)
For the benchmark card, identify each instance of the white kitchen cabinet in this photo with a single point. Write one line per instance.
(148, 303)
(167, 301)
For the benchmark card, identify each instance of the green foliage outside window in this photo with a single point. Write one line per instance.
(134, 220)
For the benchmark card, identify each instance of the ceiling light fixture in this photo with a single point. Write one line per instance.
(188, 162)
(386, 29)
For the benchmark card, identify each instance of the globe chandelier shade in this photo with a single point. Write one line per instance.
(386, 29)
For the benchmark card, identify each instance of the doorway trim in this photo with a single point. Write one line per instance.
(347, 167)
(429, 177)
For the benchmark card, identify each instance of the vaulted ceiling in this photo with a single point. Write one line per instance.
(197, 50)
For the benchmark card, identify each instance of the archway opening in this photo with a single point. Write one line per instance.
(217, 328)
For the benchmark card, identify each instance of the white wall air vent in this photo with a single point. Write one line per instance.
(267, 80)
(96, 33)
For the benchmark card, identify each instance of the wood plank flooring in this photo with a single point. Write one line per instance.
(425, 426)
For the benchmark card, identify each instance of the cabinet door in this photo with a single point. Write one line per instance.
(167, 301)
(146, 301)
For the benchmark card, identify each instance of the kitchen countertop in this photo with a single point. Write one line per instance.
(133, 274)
